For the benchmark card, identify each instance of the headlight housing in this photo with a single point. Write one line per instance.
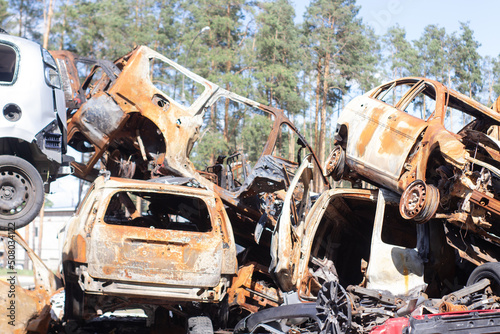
(52, 77)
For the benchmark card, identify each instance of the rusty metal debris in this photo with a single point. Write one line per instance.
(26, 309)
(434, 146)
(248, 236)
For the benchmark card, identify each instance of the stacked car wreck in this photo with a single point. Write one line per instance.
(263, 243)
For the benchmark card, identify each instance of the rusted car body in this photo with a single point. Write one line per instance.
(132, 242)
(141, 115)
(363, 264)
(24, 310)
(434, 145)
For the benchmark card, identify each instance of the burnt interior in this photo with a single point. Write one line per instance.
(345, 228)
(158, 211)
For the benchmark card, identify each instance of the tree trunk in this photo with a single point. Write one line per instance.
(318, 94)
(291, 142)
(61, 44)
(322, 131)
(48, 23)
(21, 6)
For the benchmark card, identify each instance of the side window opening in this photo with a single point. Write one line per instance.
(456, 115)
(423, 103)
(173, 83)
(231, 141)
(8, 65)
(392, 94)
(158, 211)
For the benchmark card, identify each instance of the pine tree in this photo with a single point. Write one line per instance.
(277, 49)
(26, 18)
(434, 54)
(4, 14)
(466, 61)
(402, 58)
(344, 52)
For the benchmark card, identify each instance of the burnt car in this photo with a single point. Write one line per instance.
(363, 264)
(171, 122)
(25, 309)
(147, 244)
(32, 129)
(435, 146)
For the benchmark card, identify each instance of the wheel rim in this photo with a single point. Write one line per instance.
(334, 165)
(333, 160)
(16, 192)
(334, 309)
(419, 201)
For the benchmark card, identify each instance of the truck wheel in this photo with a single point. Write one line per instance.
(335, 164)
(200, 325)
(419, 202)
(21, 192)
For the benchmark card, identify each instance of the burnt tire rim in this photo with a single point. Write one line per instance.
(334, 309)
(419, 201)
(335, 163)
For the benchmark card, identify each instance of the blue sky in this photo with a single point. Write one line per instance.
(414, 15)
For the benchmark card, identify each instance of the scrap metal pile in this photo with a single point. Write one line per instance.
(260, 242)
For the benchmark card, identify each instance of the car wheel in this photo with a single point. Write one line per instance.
(490, 271)
(335, 163)
(21, 192)
(334, 309)
(419, 202)
(200, 325)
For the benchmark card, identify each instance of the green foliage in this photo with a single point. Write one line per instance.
(433, 51)
(277, 45)
(48, 203)
(254, 135)
(403, 59)
(467, 61)
(255, 49)
(4, 14)
(25, 18)
(496, 74)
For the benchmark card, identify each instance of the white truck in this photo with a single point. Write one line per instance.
(32, 129)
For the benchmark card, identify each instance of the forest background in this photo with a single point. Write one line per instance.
(257, 49)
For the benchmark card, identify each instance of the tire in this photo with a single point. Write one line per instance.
(200, 325)
(490, 271)
(21, 192)
(335, 163)
(419, 202)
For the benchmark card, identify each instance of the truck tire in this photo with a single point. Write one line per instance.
(200, 325)
(21, 192)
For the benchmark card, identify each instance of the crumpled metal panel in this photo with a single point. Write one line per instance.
(384, 136)
(392, 268)
(150, 255)
(31, 307)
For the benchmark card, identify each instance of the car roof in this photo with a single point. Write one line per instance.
(18, 41)
(457, 99)
(181, 185)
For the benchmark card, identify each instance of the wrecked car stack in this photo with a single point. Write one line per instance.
(248, 233)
